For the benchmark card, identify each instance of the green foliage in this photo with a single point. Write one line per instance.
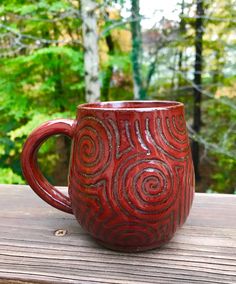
(173, 80)
(222, 180)
(42, 77)
(44, 81)
(220, 136)
(121, 61)
(8, 176)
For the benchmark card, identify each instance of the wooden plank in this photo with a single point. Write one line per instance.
(203, 251)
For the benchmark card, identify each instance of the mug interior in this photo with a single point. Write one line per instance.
(131, 105)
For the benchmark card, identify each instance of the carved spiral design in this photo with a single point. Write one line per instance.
(91, 147)
(175, 142)
(94, 147)
(179, 124)
(132, 180)
(144, 188)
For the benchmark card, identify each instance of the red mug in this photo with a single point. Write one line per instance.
(131, 177)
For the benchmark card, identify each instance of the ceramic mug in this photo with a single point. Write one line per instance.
(131, 178)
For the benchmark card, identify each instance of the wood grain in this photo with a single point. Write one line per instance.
(203, 251)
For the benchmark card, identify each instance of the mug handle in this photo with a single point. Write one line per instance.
(30, 166)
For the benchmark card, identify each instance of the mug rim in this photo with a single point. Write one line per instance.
(131, 105)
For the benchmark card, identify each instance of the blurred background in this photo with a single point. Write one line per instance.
(55, 55)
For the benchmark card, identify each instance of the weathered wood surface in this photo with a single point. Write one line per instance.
(203, 251)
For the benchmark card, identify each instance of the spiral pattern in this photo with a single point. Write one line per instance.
(173, 140)
(143, 188)
(93, 142)
(178, 123)
(131, 181)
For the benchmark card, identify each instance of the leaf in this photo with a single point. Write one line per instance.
(7, 176)
(36, 120)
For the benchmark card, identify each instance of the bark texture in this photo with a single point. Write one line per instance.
(197, 90)
(91, 56)
(139, 92)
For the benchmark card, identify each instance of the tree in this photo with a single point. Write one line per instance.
(139, 92)
(43, 70)
(197, 88)
(91, 56)
(109, 68)
(182, 32)
(41, 76)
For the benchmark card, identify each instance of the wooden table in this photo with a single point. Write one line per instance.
(34, 247)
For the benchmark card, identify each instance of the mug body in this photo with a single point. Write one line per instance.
(131, 180)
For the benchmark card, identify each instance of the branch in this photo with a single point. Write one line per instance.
(211, 146)
(27, 36)
(71, 13)
(17, 38)
(119, 23)
(204, 92)
(209, 18)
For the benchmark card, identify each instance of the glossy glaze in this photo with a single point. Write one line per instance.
(131, 180)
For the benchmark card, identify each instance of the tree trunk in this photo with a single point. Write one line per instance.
(173, 80)
(109, 71)
(139, 92)
(197, 91)
(182, 29)
(91, 56)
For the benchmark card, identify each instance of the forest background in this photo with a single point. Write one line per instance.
(55, 55)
